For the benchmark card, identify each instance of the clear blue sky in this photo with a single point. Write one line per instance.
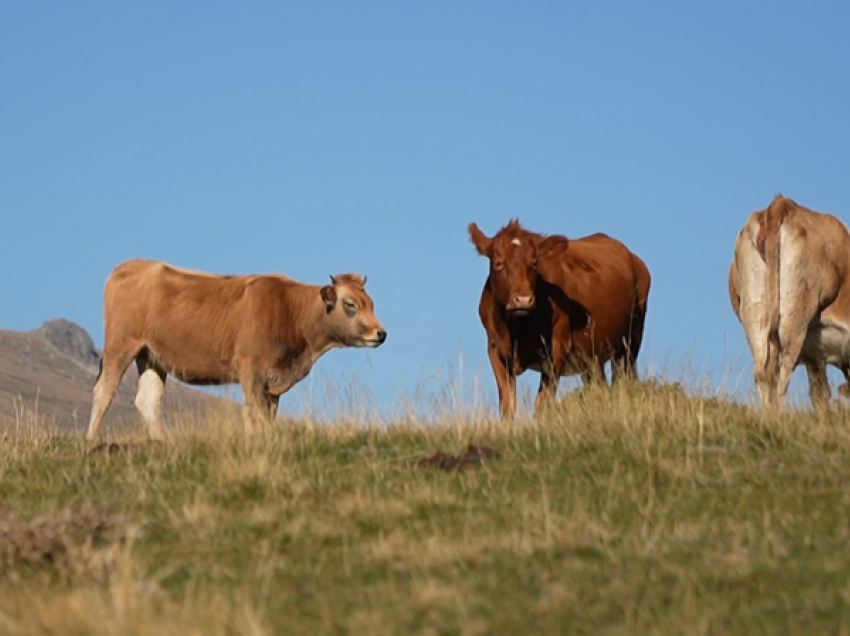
(318, 137)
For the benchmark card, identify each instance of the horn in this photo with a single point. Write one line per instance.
(333, 280)
(364, 279)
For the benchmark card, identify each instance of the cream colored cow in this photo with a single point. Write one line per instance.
(789, 284)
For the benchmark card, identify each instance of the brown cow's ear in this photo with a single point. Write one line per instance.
(479, 240)
(329, 296)
(544, 244)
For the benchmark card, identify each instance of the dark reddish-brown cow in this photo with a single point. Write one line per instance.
(263, 331)
(560, 307)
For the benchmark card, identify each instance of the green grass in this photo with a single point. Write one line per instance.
(634, 511)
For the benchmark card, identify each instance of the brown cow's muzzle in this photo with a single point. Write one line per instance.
(520, 305)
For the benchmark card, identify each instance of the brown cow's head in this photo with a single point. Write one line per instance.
(513, 265)
(350, 312)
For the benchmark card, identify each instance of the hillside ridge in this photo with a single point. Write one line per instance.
(51, 371)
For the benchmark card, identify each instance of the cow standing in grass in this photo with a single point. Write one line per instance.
(789, 285)
(559, 306)
(263, 331)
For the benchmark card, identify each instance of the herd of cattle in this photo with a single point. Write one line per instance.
(556, 305)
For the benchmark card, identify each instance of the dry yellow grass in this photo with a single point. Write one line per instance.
(638, 510)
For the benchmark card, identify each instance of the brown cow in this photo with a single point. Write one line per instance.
(560, 307)
(262, 331)
(789, 285)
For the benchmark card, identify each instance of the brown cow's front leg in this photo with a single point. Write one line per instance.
(505, 380)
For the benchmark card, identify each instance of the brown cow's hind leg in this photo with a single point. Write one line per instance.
(623, 367)
(624, 360)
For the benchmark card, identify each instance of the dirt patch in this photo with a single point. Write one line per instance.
(474, 456)
(110, 448)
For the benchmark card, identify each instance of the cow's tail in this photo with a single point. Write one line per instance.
(773, 218)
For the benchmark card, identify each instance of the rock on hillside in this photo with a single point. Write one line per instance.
(71, 339)
(53, 369)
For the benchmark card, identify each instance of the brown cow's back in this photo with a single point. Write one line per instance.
(603, 277)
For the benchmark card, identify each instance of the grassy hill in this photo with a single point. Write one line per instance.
(53, 369)
(635, 511)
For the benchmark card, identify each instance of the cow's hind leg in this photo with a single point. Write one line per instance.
(623, 366)
(624, 363)
(113, 365)
(149, 394)
(797, 306)
(819, 391)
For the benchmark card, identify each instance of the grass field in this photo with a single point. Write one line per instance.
(632, 511)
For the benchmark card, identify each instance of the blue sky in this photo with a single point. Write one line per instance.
(318, 137)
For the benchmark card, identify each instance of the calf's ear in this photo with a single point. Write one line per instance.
(329, 296)
(479, 240)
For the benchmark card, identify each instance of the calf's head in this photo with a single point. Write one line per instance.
(350, 312)
(513, 265)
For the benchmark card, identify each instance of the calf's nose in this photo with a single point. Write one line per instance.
(382, 335)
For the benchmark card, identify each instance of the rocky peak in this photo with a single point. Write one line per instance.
(71, 339)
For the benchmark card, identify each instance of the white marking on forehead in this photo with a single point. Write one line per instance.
(516, 242)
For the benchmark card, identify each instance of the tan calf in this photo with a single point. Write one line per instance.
(263, 331)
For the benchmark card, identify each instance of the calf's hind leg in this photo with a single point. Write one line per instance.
(112, 367)
(149, 395)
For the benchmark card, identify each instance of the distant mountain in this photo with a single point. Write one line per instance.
(54, 368)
